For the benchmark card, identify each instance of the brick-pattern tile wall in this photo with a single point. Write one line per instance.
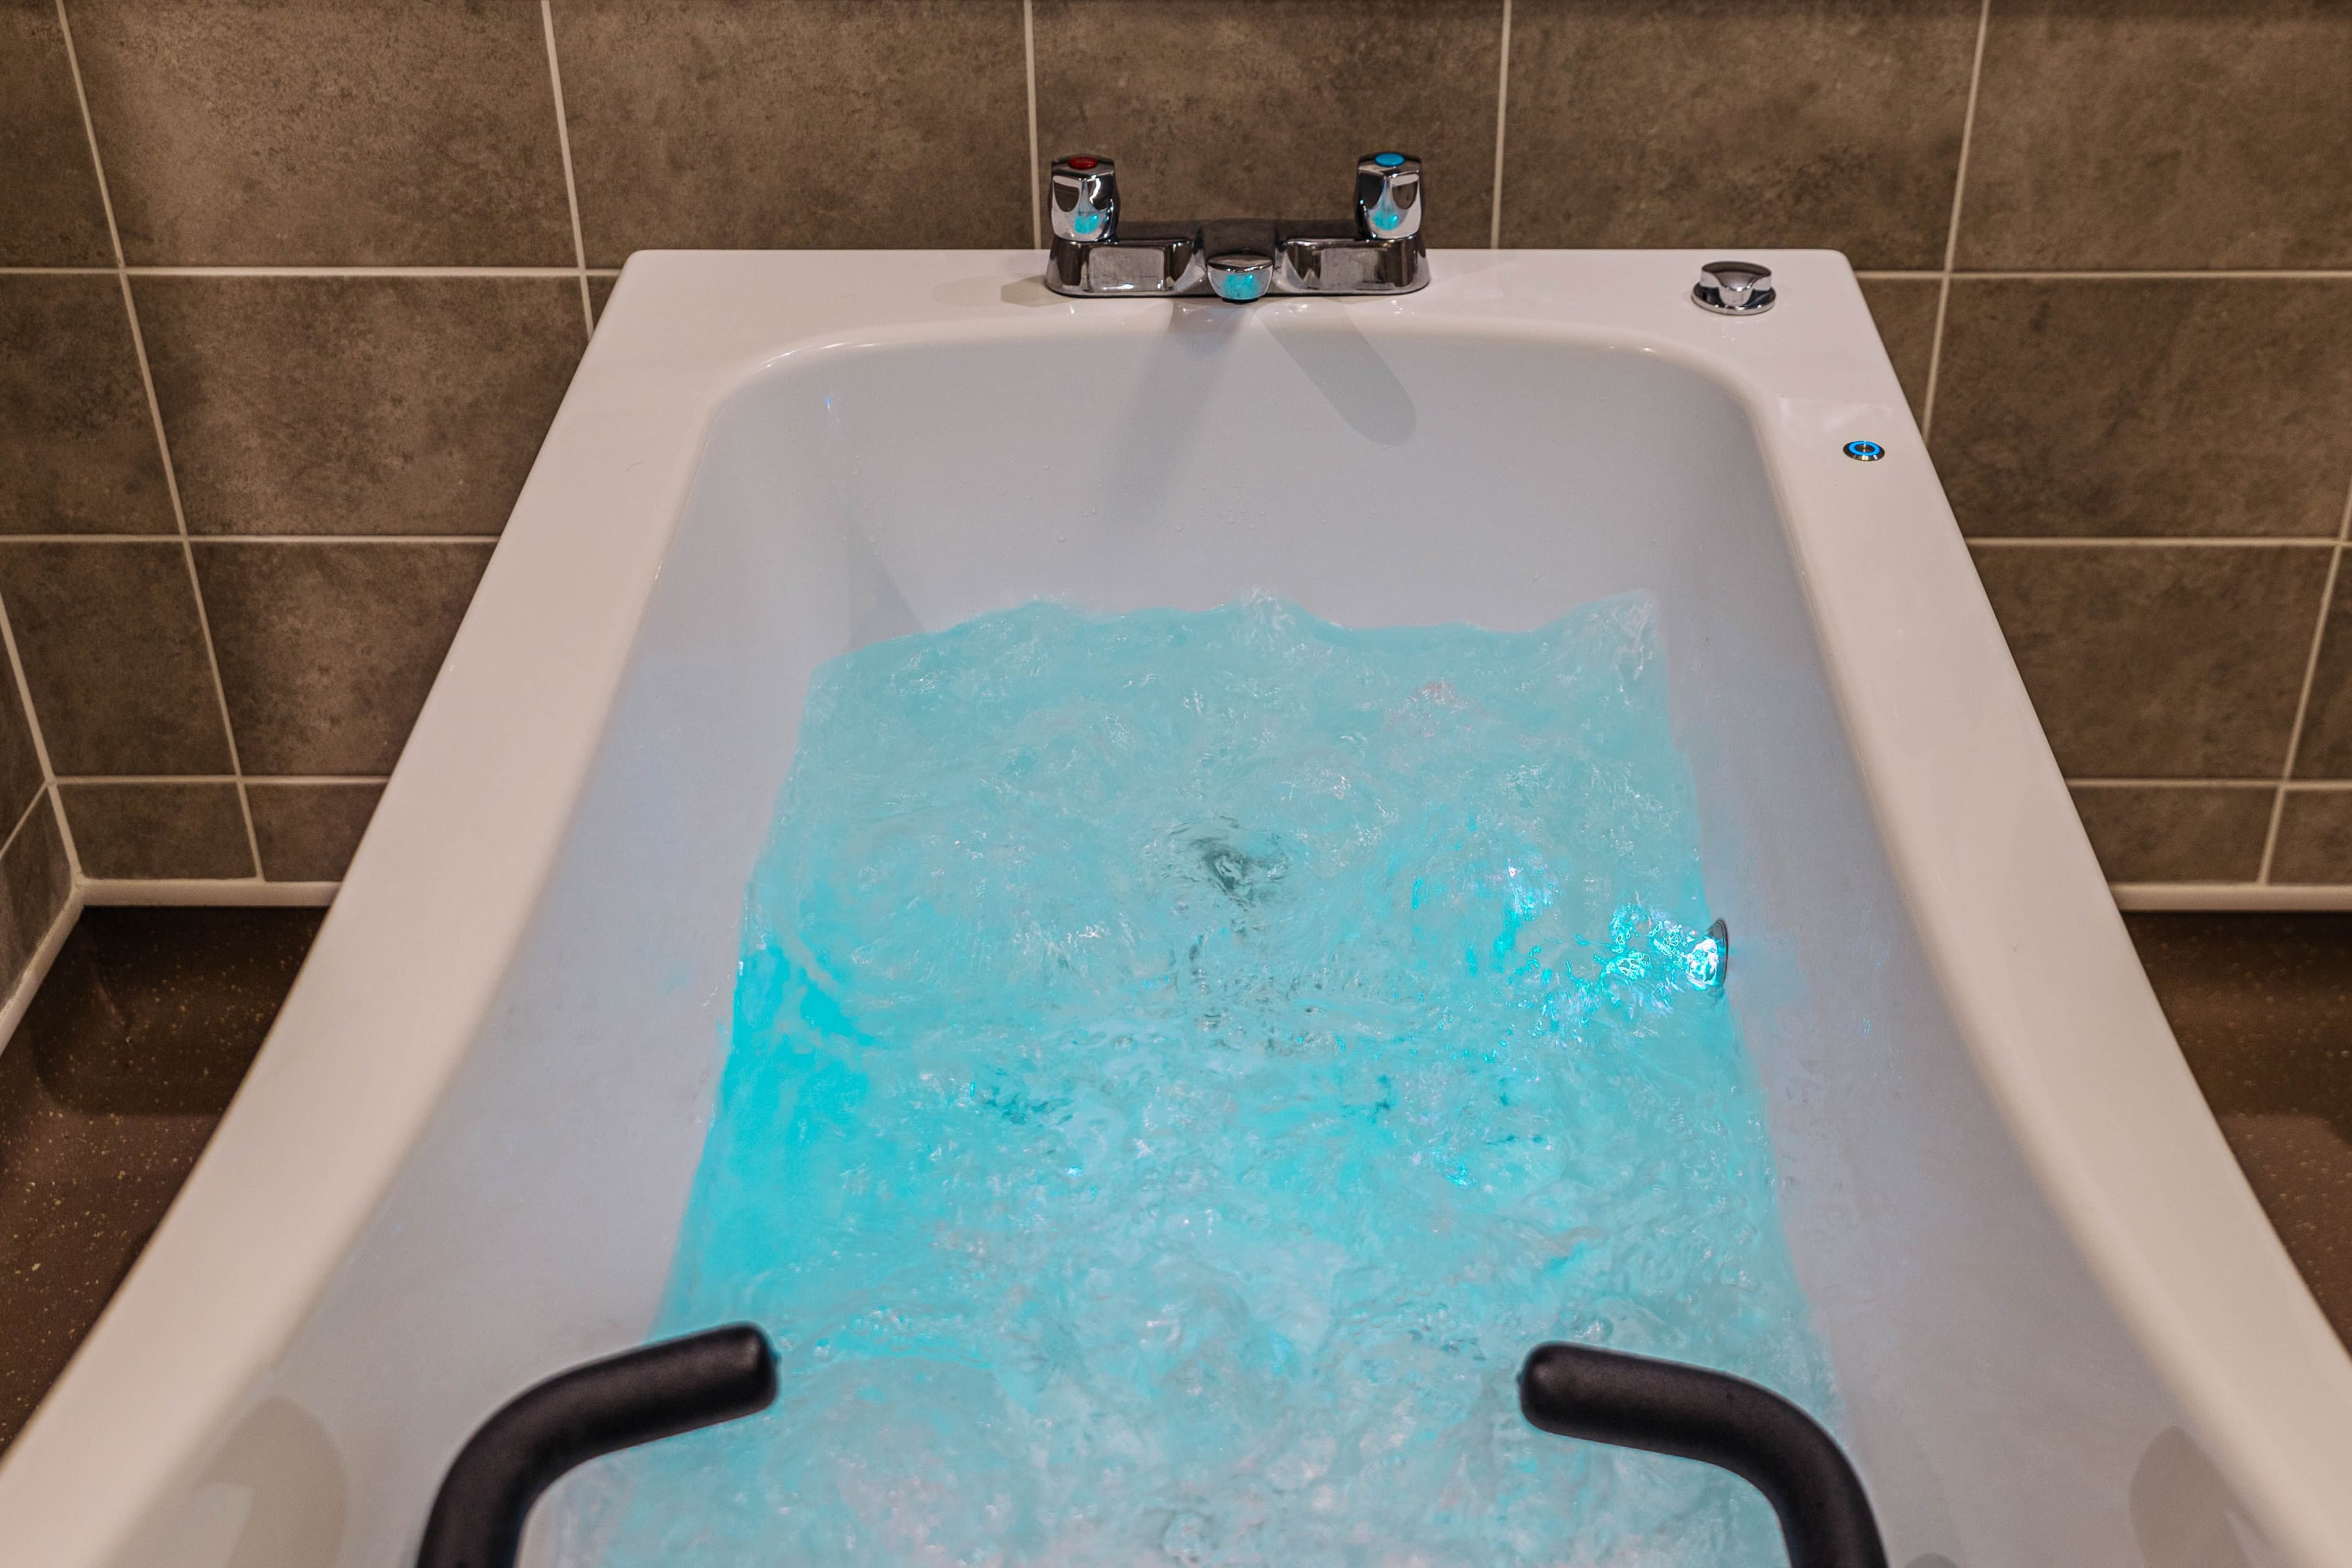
(289, 293)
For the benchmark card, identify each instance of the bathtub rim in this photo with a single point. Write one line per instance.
(662, 366)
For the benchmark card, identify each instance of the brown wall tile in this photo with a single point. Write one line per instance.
(357, 404)
(1261, 108)
(2176, 834)
(2159, 662)
(2109, 133)
(1904, 308)
(2314, 841)
(380, 133)
(126, 830)
(2121, 134)
(2325, 752)
(77, 450)
(2149, 406)
(20, 764)
(1772, 123)
(49, 211)
(115, 657)
(308, 831)
(327, 650)
(824, 124)
(35, 880)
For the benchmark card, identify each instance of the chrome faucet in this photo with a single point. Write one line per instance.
(1096, 256)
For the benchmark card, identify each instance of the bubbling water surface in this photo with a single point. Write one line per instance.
(1181, 1063)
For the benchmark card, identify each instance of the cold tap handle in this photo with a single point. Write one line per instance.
(1388, 195)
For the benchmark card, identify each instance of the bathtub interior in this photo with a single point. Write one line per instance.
(855, 493)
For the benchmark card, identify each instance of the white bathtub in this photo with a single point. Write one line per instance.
(2063, 1331)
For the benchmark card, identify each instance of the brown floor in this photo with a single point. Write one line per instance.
(2263, 1007)
(145, 1025)
(113, 1081)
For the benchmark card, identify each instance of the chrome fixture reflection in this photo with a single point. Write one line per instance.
(1734, 287)
(1240, 275)
(1095, 254)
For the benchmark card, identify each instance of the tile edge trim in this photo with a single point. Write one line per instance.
(36, 968)
(2228, 898)
(247, 893)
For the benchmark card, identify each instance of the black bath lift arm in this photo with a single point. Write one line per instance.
(1574, 1391)
(658, 1391)
(1691, 1412)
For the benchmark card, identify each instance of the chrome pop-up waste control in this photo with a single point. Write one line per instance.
(1098, 255)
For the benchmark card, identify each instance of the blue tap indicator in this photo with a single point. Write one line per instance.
(1389, 160)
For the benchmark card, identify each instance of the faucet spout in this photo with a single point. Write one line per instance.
(1239, 256)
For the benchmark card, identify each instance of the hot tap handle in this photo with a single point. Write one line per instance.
(1084, 196)
(1388, 195)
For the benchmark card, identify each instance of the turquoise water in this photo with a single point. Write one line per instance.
(1183, 1062)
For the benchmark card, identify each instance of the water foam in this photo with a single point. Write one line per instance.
(1181, 1063)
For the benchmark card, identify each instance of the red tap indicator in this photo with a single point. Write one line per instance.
(1082, 163)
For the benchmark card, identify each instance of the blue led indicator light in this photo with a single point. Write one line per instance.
(1864, 451)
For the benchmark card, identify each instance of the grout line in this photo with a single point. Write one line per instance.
(2182, 783)
(196, 584)
(352, 271)
(264, 780)
(1036, 169)
(1502, 113)
(37, 967)
(2004, 541)
(2302, 699)
(40, 797)
(1935, 359)
(1873, 273)
(570, 187)
(1952, 230)
(27, 981)
(564, 272)
(8, 538)
(41, 741)
(2292, 786)
(7, 631)
(2127, 275)
(171, 475)
(485, 540)
(2152, 541)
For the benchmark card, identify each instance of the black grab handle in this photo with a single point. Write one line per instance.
(1670, 1407)
(657, 1391)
